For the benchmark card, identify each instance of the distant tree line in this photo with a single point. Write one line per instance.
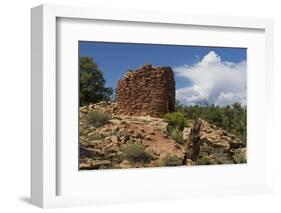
(232, 118)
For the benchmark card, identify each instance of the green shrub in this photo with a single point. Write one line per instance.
(176, 134)
(117, 158)
(175, 119)
(232, 118)
(240, 156)
(220, 157)
(136, 153)
(170, 160)
(203, 160)
(98, 119)
(176, 123)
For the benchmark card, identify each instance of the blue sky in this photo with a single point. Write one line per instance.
(114, 59)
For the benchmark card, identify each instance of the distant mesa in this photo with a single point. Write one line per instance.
(147, 91)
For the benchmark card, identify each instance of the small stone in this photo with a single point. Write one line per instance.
(155, 152)
(90, 134)
(166, 136)
(98, 163)
(138, 135)
(152, 133)
(123, 122)
(177, 146)
(107, 139)
(130, 131)
(114, 139)
(114, 129)
(85, 166)
(121, 132)
(115, 121)
(83, 143)
(86, 131)
(94, 142)
(208, 130)
(189, 162)
(84, 110)
(109, 146)
(147, 137)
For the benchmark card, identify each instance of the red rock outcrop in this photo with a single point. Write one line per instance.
(103, 147)
(209, 144)
(146, 91)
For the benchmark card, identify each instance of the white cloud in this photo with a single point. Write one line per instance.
(213, 81)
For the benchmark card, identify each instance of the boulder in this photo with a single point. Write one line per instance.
(212, 145)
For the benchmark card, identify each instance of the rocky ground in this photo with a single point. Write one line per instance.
(133, 142)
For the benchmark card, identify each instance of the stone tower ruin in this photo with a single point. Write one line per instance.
(147, 91)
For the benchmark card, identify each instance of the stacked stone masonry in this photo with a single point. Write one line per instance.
(147, 91)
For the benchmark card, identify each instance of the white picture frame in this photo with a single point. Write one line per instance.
(44, 150)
